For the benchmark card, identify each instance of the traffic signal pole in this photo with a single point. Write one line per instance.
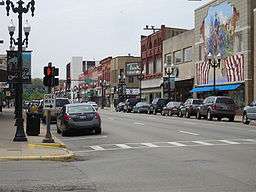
(48, 136)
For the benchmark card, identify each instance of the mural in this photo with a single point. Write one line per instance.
(218, 29)
(218, 33)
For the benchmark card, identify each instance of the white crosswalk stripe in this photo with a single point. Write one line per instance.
(229, 142)
(149, 144)
(202, 143)
(123, 146)
(177, 144)
(97, 148)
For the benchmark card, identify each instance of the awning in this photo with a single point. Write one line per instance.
(230, 87)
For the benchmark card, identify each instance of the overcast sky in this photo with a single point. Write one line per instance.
(94, 29)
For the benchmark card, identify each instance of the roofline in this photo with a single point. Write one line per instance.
(205, 5)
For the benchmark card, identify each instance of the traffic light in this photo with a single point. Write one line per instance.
(50, 73)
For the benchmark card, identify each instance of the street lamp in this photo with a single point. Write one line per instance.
(103, 84)
(20, 9)
(214, 62)
(168, 72)
(140, 76)
(121, 86)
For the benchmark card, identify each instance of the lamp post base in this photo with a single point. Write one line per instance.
(48, 140)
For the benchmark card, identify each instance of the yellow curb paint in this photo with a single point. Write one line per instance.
(69, 156)
(53, 145)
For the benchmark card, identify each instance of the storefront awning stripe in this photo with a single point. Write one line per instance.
(230, 87)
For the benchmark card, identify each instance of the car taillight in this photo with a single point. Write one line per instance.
(97, 115)
(66, 117)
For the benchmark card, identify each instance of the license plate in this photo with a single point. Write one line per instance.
(83, 118)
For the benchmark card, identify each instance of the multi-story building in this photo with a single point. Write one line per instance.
(178, 56)
(152, 61)
(3, 68)
(225, 27)
(119, 67)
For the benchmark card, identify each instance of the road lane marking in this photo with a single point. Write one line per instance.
(177, 144)
(229, 142)
(110, 118)
(84, 138)
(123, 146)
(136, 123)
(149, 144)
(189, 123)
(202, 143)
(190, 133)
(97, 148)
(250, 140)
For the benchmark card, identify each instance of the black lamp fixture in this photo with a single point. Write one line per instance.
(214, 62)
(20, 9)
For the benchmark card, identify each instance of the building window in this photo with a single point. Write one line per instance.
(178, 57)
(154, 65)
(131, 79)
(147, 68)
(168, 58)
(187, 54)
(200, 53)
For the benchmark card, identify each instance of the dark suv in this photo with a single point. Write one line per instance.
(157, 106)
(189, 108)
(217, 107)
(129, 104)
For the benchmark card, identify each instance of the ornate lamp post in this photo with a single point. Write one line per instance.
(103, 84)
(20, 10)
(214, 62)
(121, 85)
(168, 73)
(140, 76)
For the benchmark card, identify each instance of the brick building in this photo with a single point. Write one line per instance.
(226, 27)
(152, 61)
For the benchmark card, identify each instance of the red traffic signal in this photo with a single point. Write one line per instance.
(49, 71)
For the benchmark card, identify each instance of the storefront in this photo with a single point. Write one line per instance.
(151, 88)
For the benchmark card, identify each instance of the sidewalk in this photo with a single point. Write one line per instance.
(34, 149)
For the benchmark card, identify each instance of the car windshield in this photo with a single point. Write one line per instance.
(161, 101)
(61, 102)
(225, 101)
(197, 102)
(80, 109)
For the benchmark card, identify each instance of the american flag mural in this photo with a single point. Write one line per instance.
(235, 67)
(202, 70)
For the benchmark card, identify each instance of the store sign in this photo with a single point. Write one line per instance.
(12, 67)
(132, 91)
(132, 69)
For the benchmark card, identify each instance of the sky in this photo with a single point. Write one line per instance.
(94, 29)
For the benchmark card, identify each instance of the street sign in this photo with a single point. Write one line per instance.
(49, 101)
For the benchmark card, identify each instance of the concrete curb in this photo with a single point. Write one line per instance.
(69, 156)
(53, 145)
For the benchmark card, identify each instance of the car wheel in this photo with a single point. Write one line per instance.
(187, 114)
(154, 112)
(219, 118)
(198, 115)
(209, 115)
(162, 113)
(170, 113)
(98, 131)
(245, 119)
(180, 114)
(231, 118)
(64, 133)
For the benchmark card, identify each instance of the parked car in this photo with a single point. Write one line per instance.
(60, 102)
(157, 106)
(78, 117)
(94, 104)
(172, 108)
(189, 108)
(249, 113)
(141, 107)
(129, 104)
(120, 107)
(217, 107)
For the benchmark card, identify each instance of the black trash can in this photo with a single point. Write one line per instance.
(33, 124)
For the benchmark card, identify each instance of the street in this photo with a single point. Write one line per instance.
(140, 152)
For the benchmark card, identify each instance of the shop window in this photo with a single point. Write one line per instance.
(178, 57)
(154, 65)
(187, 54)
(168, 58)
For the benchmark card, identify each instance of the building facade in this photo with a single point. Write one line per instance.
(178, 57)
(225, 27)
(152, 61)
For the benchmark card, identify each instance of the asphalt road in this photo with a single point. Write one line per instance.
(139, 152)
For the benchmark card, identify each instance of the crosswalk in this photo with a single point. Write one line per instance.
(197, 143)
